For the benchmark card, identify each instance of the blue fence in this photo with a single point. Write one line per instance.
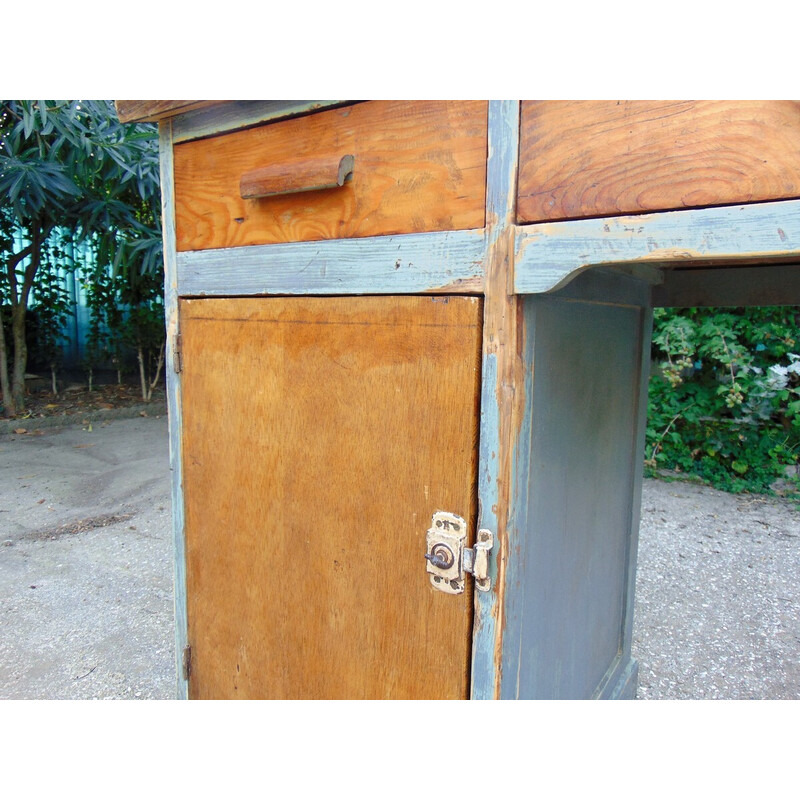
(80, 259)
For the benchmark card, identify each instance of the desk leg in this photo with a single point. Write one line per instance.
(574, 516)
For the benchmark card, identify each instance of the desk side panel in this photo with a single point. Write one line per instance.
(577, 475)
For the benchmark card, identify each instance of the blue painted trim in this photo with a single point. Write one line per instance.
(549, 255)
(501, 172)
(501, 165)
(518, 508)
(484, 628)
(449, 262)
(174, 402)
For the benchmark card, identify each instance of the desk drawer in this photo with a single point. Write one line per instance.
(603, 158)
(417, 167)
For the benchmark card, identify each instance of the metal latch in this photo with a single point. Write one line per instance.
(448, 558)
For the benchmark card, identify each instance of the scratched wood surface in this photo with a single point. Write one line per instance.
(418, 167)
(601, 158)
(448, 262)
(320, 434)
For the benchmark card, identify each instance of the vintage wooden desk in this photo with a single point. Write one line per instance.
(408, 339)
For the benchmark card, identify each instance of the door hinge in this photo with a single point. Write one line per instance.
(449, 559)
(177, 352)
(186, 662)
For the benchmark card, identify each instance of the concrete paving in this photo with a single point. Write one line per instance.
(86, 595)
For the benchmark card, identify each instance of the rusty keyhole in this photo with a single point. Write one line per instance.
(441, 556)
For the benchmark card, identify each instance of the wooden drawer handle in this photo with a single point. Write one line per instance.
(307, 175)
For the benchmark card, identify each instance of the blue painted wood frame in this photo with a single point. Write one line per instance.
(174, 400)
(449, 262)
(503, 141)
(550, 255)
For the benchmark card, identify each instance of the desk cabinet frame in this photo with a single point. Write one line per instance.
(614, 269)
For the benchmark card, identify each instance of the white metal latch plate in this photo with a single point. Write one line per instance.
(448, 558)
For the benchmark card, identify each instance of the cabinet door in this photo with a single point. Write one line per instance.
(319, 437)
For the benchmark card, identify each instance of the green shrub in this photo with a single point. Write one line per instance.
(724, 400)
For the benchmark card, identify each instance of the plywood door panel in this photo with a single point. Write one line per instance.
(418, 167)
(320, 434)
(602, 158)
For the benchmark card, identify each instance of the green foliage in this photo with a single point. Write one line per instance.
(73, 164)
(725, 395)
(70, 165)
(104, 339)
(126, 314)
(50, 305)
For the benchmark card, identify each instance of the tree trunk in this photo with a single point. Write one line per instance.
(20, 356)
(9, 409)
(147, 384)
(19, 309)
(142, 375)
(10, 406)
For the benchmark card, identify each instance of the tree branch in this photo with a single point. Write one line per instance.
(11, 269)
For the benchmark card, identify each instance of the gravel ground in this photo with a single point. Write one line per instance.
(717, 595)
(86, 597)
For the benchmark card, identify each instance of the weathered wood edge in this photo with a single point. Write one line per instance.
(235, 115)
(450, 262)
(549, 255)
(174, 402)
(500, 362)
(156, 110)
(621, 681)
(635, 510)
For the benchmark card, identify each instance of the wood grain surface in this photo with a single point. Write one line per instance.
(442, 262)
(602, 158)
(419, 167)
(320, 435)
(303, 175)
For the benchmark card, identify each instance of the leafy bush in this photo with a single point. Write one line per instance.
(50, 308)
(68, 165)
(126, 316)
(724, 400)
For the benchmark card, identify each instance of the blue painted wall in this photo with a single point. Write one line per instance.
(76, 327)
